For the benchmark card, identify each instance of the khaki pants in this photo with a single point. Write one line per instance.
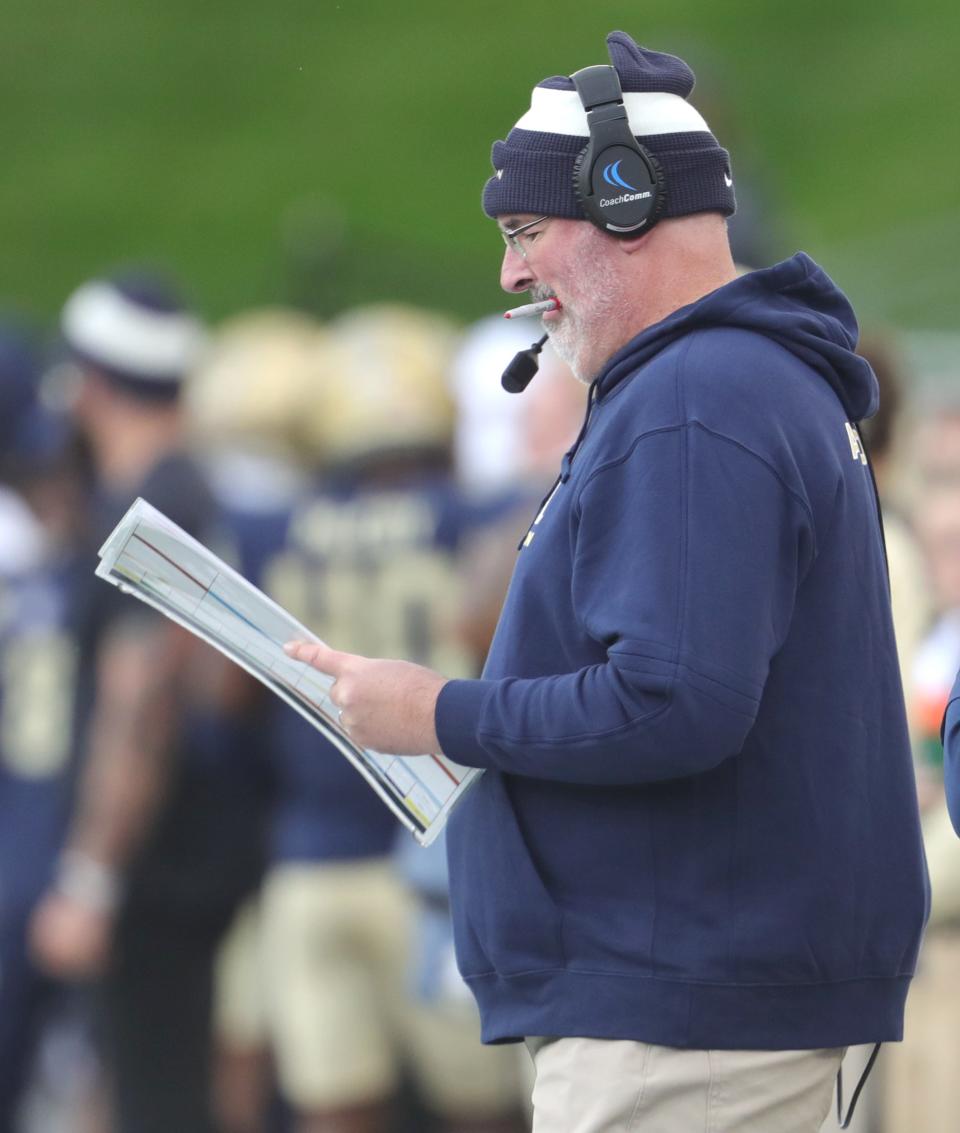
(603, 1086)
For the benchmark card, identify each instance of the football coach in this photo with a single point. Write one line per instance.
(692, 872)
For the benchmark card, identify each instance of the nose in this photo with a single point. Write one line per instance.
(515, 273)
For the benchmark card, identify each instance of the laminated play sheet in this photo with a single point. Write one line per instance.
(153, 559)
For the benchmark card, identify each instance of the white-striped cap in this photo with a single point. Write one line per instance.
(111, 329)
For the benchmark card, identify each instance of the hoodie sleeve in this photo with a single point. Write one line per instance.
(687, 557)
(950, 734)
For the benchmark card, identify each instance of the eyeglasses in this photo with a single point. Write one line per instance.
(515, 239)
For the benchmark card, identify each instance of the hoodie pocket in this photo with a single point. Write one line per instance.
(510, 923)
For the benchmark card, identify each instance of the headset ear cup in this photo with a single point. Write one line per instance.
(583, 190)
(620, 186)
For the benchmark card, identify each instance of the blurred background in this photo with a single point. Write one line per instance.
(327, 153)
(303, 179)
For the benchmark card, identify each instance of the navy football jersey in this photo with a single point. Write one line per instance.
(38, 668)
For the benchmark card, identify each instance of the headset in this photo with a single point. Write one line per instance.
(619, 184)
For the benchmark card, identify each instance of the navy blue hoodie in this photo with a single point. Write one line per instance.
(698, 825)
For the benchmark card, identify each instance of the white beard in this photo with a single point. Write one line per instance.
(590, 315)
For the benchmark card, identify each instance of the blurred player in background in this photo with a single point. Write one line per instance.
(922, 1087)
(369, 559)
(37, 681)
(159, 850)
(937, 514)
(244, 406)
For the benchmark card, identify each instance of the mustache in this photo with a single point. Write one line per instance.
(538, 294)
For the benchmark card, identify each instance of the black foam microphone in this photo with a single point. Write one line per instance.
(520, 373)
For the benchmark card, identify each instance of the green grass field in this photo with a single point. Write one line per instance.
(330, 152)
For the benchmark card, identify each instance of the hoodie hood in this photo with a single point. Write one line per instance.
(796, 304)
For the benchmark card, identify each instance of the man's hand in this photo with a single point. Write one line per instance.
(384, 705)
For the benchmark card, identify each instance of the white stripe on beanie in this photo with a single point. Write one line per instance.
(555, 111)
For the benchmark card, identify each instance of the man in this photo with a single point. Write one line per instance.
(692, 873)
(159, 846)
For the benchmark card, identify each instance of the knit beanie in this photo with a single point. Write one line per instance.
(534, 167)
